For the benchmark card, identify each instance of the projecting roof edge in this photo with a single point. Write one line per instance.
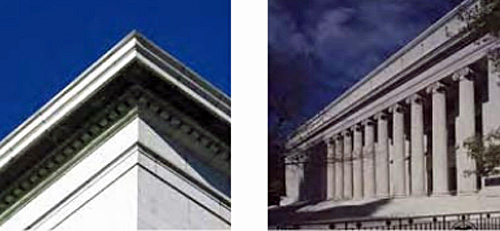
(433, 28)
(132, 48)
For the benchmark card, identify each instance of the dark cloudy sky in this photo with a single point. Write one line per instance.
(320, 48)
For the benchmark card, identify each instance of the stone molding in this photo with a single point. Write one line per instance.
(462, 74)
(382, 115)
(347, 133)
(397, 108)
(92, 130)
(415, 98)
(436, 87)
(368, 122)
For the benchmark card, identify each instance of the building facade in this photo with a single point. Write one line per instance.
(391, 147)
(137, 141)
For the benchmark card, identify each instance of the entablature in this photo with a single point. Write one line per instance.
(387, 83)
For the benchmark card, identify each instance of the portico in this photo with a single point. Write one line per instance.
(399, 132)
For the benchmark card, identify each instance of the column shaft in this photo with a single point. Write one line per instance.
(465, 127)
(301, 179)
(399, 151)
(291, 182)
(357, 163)
(330, 169)
(369, 179)
(382, 157)
(347, 165)
(491, 108)
(417, 146)
(439, 141)
(339, 168)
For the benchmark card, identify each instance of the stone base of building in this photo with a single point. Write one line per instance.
(379, 212)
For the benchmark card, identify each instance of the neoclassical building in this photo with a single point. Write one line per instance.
(137, 141)
(389, 151)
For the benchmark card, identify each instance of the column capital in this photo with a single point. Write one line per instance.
(463, 73)
(381, 115)
(436, 87)
(368, 122)
(302, 157)
(337, 136)
(329, 140)
(415, 98)
(493, 56)
(398, 107)
(356, 127)
(493, 53)
(346, 133)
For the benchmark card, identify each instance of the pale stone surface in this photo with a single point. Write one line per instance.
(439, 140)
(465, 128)
(357, 164)
(118, 199)
(330, 169)
(409, 206)
(415, 154)
(339, 170)
(106, 182)
(292, 183)
(301, 177)
(382, 157)
(369, 178)
(417, 146)
(398, 150)
(73, 179)
(491, 108)
(347, 165)
(165, 206)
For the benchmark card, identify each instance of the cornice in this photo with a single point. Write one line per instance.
(19, 191)
(134, 48)
(321, 122)
(135, 100)
(441, 23)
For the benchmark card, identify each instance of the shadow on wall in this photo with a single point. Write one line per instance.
(291, 214)
(214, 178)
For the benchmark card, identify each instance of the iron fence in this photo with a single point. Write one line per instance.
(465, 221)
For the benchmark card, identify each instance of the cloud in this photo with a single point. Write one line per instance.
(338, 42)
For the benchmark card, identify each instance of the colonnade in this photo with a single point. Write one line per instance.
(359, 163)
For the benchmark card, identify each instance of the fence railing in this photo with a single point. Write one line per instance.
(464, 221)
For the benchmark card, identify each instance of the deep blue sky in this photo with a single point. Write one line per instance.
(46, 44)
(320, 48)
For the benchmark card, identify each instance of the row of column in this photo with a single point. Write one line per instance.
(362, 171)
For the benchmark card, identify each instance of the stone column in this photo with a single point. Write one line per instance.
(465, 127)
(439, 140)
(369, 179)
(399, 151)
(491, 108)
(330, 168)
(417, 146)
(347, 164)
(382, 156)
(291, 181)
(302, 191)
(339, 168)
(357, 163)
